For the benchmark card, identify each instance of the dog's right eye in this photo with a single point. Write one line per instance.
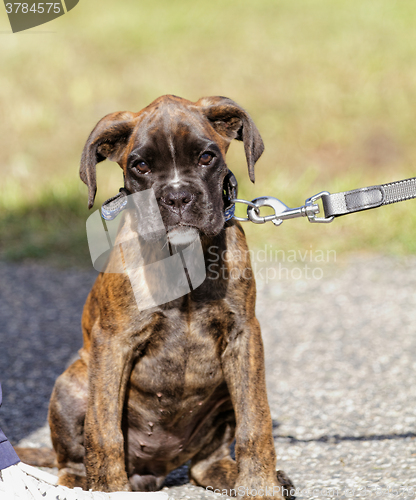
(205, 159)
(141, 167)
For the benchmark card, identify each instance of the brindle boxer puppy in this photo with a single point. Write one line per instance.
(156, 388)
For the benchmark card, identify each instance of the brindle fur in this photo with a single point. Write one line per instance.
(155, 388)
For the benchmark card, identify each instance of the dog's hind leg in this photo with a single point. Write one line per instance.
(67, 410)
(213, 468)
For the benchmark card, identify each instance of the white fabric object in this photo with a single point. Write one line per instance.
(23, 482)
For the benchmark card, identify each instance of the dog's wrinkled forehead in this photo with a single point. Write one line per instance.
(175, 129)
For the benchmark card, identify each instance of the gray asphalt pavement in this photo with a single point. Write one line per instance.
(340, 345)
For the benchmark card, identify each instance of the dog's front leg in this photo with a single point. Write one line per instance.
(243, 366)
(109, 370)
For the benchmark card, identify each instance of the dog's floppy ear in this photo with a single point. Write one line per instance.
(233, 122)
(108, 140)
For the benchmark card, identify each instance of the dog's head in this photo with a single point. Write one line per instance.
(177, 148)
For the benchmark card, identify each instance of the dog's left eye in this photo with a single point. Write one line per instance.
(205, 159)
(142, 167)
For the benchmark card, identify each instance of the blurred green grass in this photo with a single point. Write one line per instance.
(331, 86)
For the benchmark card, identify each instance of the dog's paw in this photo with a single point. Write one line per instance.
(288, 489)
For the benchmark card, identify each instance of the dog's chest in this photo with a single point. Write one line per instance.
(183, 355)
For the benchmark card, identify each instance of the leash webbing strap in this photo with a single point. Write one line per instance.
(344, 203)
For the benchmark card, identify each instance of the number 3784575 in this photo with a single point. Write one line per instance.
(35, 8)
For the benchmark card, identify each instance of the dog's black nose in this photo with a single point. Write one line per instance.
(178, 201)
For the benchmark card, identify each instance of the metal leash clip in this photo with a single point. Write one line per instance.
(281, 211)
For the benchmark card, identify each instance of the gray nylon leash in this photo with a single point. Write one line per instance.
(356, 200)
(334, 205)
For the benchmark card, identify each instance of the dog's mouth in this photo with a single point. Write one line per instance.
(182, 235)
